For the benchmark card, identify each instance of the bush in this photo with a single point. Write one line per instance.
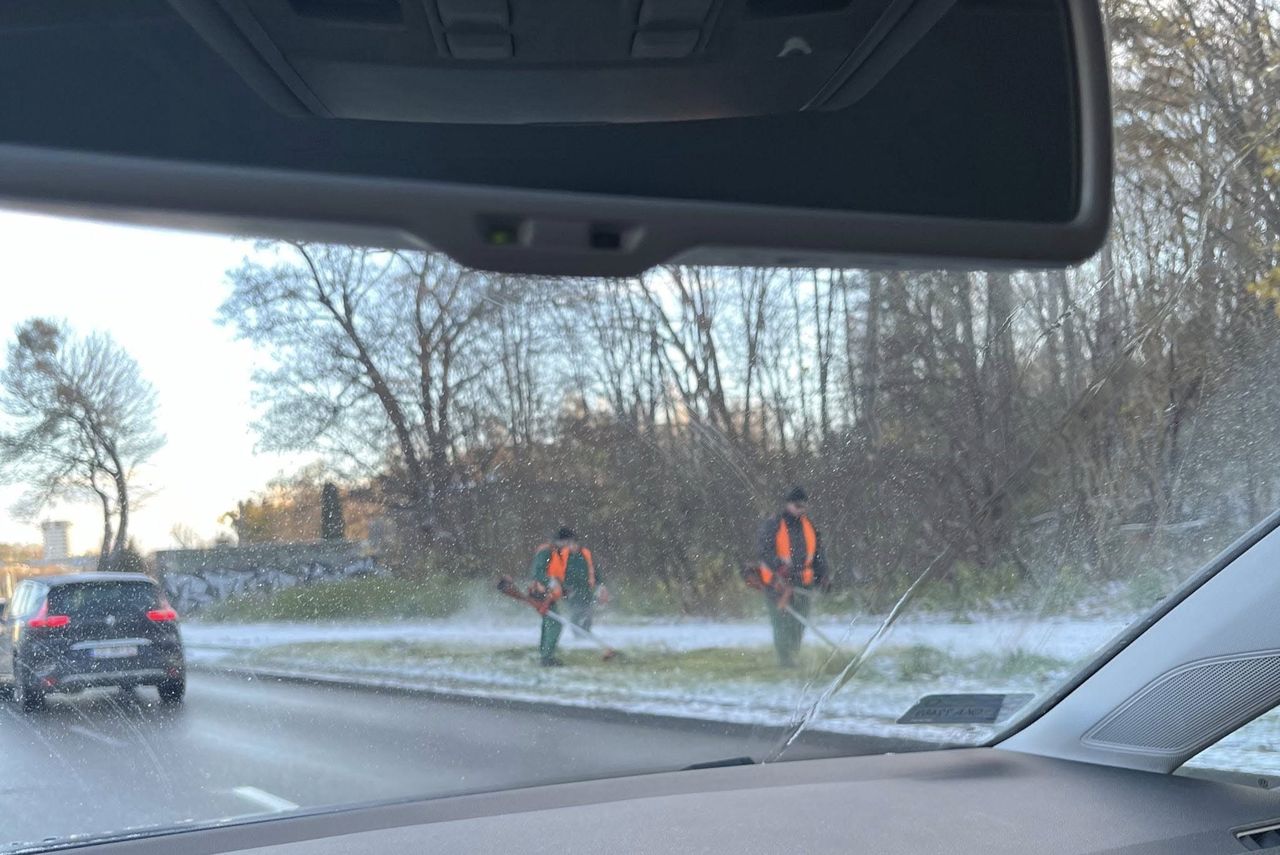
(130, 560)
(711, 587)
(921, 662)
(656, 599)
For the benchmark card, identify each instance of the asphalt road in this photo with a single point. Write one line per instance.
(107, 760)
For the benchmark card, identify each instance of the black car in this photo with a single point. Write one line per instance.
(67, 633)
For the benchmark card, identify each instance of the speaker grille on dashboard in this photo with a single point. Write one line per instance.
(1192, 706)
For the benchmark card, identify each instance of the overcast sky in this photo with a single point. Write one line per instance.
(157, 293)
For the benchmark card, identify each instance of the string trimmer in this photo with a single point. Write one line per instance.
(542, 603)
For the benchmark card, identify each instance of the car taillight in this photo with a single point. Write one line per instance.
(163, 614)
(44, 620)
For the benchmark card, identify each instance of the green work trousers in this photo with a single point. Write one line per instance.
(787, 631)
(580, 612)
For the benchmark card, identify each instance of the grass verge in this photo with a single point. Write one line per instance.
(706, 667)
(350, 599)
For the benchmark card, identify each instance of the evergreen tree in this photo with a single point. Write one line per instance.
(332, 524)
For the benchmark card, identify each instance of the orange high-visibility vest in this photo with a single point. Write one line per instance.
(782, 546)
(560, 562)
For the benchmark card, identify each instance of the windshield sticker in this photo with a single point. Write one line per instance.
(962, 709)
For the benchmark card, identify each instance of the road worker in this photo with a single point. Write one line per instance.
(789, 551)
(563, 569)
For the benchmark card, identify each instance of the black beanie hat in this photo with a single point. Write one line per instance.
(797, 494)
(566, 533)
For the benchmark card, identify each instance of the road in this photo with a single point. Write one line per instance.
(239, 746)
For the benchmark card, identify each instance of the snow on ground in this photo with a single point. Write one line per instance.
(1060, 638)
(771, 698)
(1253, 748)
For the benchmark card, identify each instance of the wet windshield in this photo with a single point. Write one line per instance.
(421, 530)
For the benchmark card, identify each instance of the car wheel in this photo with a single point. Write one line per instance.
(172, 691)
(27, 698)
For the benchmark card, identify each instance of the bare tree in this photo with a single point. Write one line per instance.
(83, 420)
(186, 537)
(373, 351)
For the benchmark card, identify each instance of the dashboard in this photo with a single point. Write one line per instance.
(955, 801)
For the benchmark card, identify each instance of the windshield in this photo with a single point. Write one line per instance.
(426, 530)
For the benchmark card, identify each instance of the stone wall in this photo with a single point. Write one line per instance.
(194, 578)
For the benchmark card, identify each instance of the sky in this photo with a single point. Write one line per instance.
(157, 293)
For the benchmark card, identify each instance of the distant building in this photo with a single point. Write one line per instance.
(57, 543)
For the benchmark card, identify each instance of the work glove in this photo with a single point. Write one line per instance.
(538, 594)
(548, 593)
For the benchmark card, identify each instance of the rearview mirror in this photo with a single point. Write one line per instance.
(581, 136)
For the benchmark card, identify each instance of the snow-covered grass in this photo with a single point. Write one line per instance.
(1059, 638)
(684, 670)
(722, 670)
(1253, 748)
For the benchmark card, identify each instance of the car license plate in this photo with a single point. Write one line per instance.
(115, 652)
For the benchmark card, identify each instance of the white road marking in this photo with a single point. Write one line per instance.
(263, 799)
(100, 737)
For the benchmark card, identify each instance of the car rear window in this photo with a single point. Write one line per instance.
(90, 599)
